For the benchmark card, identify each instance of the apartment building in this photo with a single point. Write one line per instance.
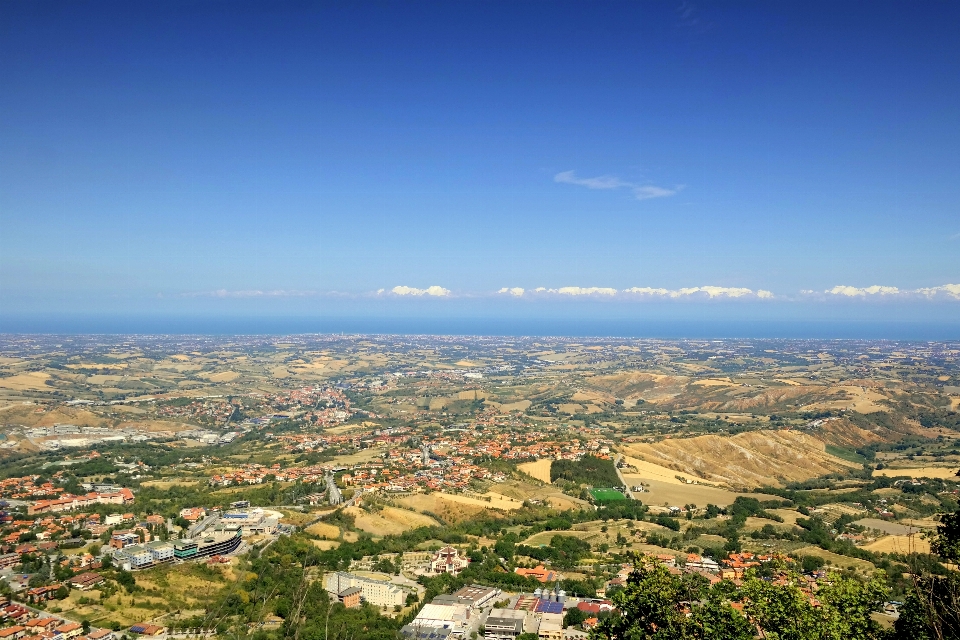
(377, 593)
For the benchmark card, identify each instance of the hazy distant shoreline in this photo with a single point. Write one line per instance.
(589, 327)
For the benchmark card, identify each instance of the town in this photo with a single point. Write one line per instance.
(525, 495)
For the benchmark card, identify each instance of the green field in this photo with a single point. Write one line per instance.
(607, 495)
(845, 454)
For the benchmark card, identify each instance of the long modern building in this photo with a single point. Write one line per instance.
(212, 545)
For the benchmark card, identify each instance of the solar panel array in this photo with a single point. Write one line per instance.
(546, 606)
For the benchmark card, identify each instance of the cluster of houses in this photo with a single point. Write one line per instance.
(441, 462)
(69, 502)
(31, 488)
(44, 536)
(18, 622)
(410, 469)
(320, 442)
(733, 567)
(322, 406)
(81, 564)
(258, 473)
(215, 410)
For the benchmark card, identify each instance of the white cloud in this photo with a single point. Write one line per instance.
(584, 291)
(708, 290)
(948, 291)
(728, 292)
(648, 291)
(640, 191)
(514, 291)
(429, 291)
(845, 290)
(649, 191)
(600, 182)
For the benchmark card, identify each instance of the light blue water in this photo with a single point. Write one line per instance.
(592, 327)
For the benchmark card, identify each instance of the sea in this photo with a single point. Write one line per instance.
(483, 326)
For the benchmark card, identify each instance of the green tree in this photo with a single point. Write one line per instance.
(126, 580)
(650, 605)
(932, 606)
(847, 604)
(574, 617)
(946, 541)
(782, 611)
(717, 620)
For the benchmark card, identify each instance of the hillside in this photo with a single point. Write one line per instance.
(745, 460)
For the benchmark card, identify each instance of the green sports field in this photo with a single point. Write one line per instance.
(607, 495)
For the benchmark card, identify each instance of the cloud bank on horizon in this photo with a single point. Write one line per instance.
(946, 292)
(707, 292)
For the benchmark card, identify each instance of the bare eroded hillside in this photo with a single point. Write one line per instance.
(744, 460)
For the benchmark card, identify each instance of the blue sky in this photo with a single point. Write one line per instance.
(755, 160)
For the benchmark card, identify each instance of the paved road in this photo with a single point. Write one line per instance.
(616, 461)
(198, 528)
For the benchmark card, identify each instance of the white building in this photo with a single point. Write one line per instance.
(135, 557)
(443, 616)
(448, 560)
(377, 593)
(161, 551)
